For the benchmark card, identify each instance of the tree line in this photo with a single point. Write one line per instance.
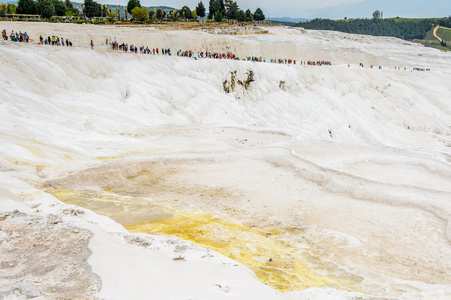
(407, 30)
(49, 8)
(228, 9)
(44, 8)
(218, 11)
(445, 22)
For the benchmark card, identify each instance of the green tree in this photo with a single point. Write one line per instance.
(160, 14)
(12, 8)
(45, 8)
(132, 4)
(376, 15)
(249, 16)
(140, 14)
(241, 16)
(259, 15)
(200, 10)
(227, 4)
(232, 11)
(185, 12)
(193, 15)
(60, 7)
(222, 7)
(151, 14)
(218, 17)
(2, 10)
(28, 7)
(173, 15)
(213, 7)
(69, 5)
(111, 16)
(92, 9)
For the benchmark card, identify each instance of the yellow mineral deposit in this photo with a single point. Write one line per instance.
(275, 261)
(109, 157)
(127, 154)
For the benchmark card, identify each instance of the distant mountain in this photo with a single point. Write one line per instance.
(286, 19)
(165, 8)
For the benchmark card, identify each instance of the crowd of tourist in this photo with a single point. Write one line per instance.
(319, 63)
(16, 36)
(396, 68)
(371, 66)
(214, 55)
(124, 47)
(54, 41)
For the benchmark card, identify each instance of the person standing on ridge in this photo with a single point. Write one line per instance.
(92, 44)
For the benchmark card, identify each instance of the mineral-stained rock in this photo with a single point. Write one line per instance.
(41, 256)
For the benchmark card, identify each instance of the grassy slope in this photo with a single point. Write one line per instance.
(444, 34)
(430, 40)
(430, 36)
(436, 45)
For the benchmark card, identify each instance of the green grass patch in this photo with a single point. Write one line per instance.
(444, 34)
(436, 45)
(430, 36)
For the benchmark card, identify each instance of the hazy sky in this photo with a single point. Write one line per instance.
(335, 9)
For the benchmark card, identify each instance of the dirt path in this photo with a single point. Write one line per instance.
(435, 31)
